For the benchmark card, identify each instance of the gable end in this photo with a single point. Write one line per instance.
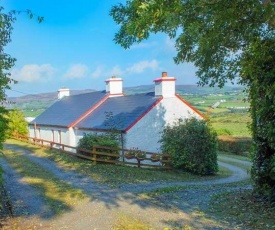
(190, 106)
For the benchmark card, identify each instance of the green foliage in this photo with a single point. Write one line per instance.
(3, 126)
(193, 146)
(89, 140)
(16, 123)
(258, 73)
(1, 178)
(208, 33)
(236, 145)
(6, 63)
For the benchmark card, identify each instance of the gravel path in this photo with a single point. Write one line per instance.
(107, 205)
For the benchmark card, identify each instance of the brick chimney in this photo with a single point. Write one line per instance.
(165, 86)
(64, 92)
(114, 86)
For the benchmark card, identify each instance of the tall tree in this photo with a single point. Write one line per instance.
(225, 40)
(6, 63)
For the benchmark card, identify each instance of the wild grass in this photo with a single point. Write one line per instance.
(243, 209)
(127, 222)
(236, 124)
(115, 175)
(59, 195)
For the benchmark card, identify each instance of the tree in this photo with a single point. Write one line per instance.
(224, 40)
(193, 146)
(6, 61)
(16, 123)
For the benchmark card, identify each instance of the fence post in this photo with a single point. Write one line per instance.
(94, 154)
(138, 163)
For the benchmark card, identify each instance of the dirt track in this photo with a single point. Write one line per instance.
(105, 205)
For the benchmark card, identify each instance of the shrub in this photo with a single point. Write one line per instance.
(16, 123)
(237, 145)
(192, 144)
(89, 140)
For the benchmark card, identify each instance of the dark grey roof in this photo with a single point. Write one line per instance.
(68, 109)
(124, 110)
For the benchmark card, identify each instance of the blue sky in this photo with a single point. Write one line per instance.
(74, 48)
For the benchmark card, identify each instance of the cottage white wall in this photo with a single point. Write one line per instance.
(147, 132)
(49, 133)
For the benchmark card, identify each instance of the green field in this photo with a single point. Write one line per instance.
(231, 117)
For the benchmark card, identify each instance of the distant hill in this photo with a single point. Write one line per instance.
(39, 102)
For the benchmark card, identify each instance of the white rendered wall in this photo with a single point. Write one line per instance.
(147, 132)
(55, 134)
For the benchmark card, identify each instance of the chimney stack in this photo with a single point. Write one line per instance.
(64, 92)
(114, 86)
(165, 86)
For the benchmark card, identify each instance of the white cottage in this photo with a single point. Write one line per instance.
(139, 118)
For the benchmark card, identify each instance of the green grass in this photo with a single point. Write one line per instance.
(223, 118)
(235, 123)
(59, 195)
(238, 157)
(114, 175)
(232, 162)
(243, 209)
(128, 222)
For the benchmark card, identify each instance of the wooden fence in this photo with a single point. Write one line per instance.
(105, 154)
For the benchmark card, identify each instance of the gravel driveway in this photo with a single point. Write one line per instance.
(176, 209)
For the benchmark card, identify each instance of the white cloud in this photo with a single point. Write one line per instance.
(33, 73)
(116, 71)
(136, 68)
(98, 72)
(141, 66)
(76, 71)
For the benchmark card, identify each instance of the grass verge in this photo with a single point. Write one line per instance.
(243, 209)
(5, 205)
(231, 161)
(59, 195)
(234, 156)
(125, 222)
(115, 175)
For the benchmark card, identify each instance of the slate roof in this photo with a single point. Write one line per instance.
(68, 109)
(125, 110)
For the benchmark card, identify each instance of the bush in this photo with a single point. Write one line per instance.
(16, 123)
(89, 140)
(192, 144)
(237, 145)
